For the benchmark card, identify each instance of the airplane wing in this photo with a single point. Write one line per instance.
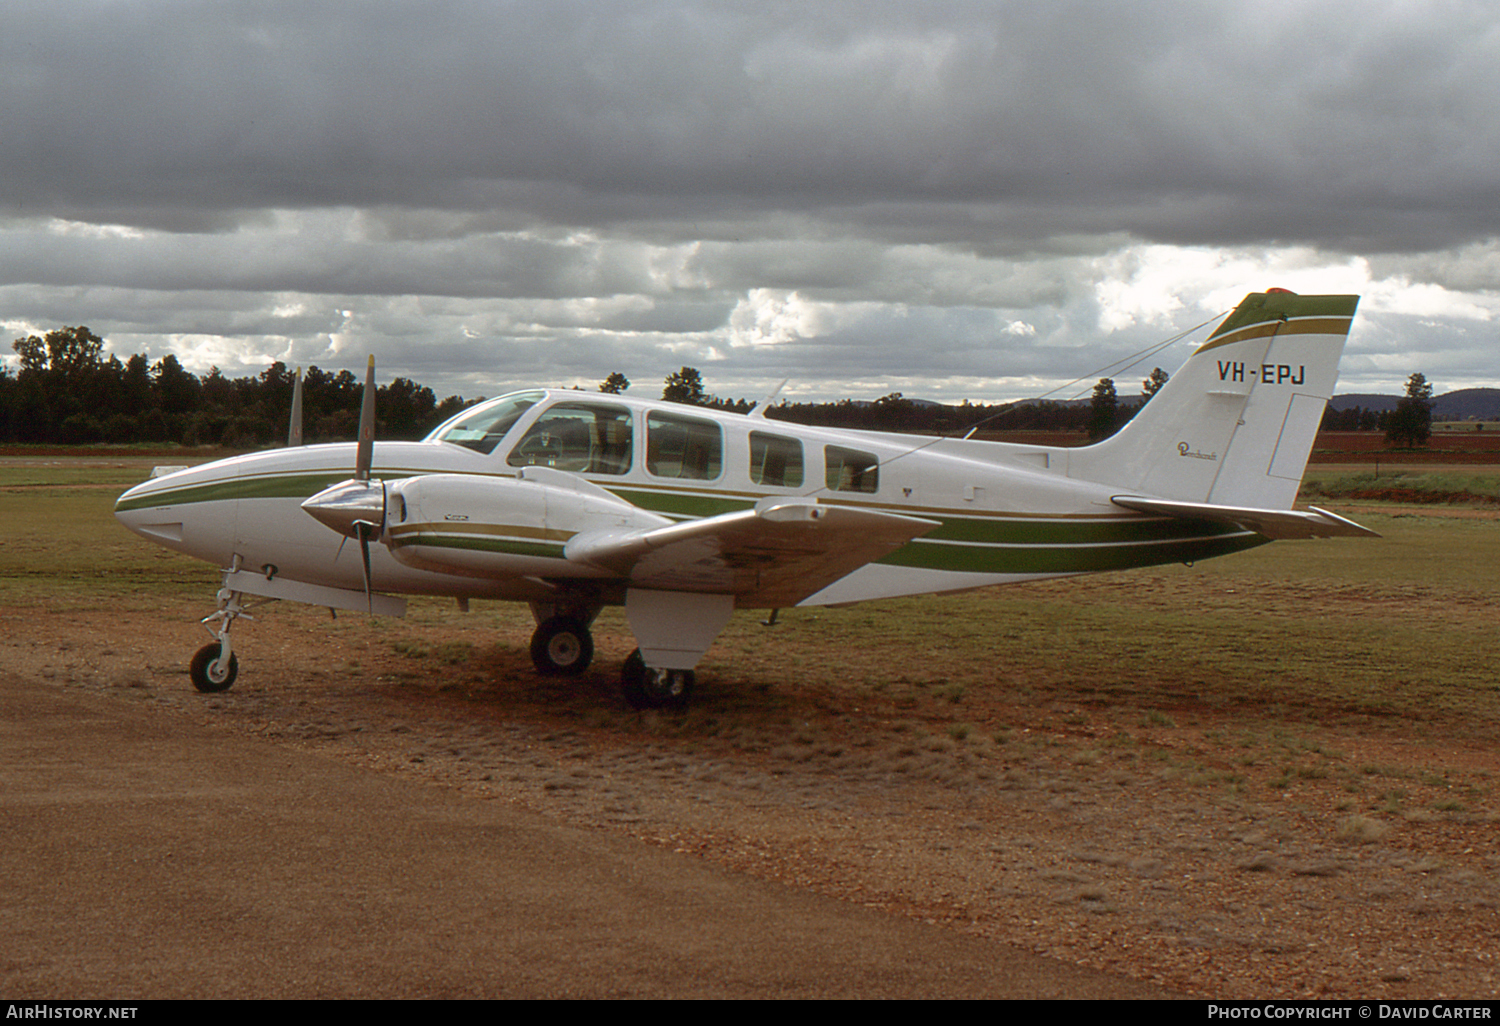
(774, 555)
(1273, 523)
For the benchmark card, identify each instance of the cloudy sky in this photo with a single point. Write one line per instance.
(981, 200)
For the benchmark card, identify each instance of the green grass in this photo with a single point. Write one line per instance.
(119, 474)
(63, 542)
(1323, 486)
(1454, 555)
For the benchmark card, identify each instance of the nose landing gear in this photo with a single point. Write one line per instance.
(214, 666)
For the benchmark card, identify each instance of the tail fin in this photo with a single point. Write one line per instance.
(1235, 425)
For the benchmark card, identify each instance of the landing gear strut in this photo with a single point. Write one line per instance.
(646, 687)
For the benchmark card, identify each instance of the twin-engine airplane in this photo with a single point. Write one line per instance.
(574, 501)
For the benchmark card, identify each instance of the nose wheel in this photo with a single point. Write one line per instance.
(210, 672)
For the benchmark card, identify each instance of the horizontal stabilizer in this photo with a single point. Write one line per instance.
(1273, 523)
(774, 555)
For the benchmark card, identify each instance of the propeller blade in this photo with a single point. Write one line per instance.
(365, 530)
(366, 453)
(294, 430)
(364, 554)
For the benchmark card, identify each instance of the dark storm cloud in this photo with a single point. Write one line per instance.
(1191, 123)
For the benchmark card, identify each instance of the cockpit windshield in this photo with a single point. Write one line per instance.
(482, 427)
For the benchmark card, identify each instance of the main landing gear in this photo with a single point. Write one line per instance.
(646, 687)
(563, 645)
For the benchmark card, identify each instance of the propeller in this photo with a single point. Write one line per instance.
(356, 508)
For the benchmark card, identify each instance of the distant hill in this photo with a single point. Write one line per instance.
(1463, 404)
(1468, 403)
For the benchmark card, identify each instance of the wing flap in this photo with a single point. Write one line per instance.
(775, 554)
(1279, 524)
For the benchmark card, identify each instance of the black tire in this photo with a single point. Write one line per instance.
(203, 680)
(561, 647)
(647, 688)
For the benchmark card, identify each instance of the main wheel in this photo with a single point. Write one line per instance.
(646, 687)
(205, 676)
(562, 647)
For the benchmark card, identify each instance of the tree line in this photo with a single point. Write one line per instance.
(66, 393)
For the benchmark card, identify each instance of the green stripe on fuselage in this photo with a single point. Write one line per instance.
(679, 504)
(270, 486)
(1067, 531)
(228, 489)
(1064, 559)
(1015, 543)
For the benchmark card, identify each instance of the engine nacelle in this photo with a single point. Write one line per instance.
(502, 526)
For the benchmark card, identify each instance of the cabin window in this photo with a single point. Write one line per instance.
(850, 470)
(683, 447)
(775, 461)
(586, 438)
(482, 427)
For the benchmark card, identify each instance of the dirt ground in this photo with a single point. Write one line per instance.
(1175, 865)
(151, 858)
